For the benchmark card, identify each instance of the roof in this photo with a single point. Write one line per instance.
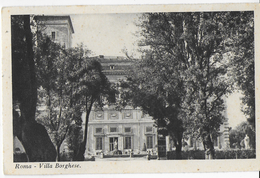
(112, 59)
(61, 17)
(114, 65)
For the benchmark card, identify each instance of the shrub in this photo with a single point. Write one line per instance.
(219, 154)
(235, 154)
(191, 154)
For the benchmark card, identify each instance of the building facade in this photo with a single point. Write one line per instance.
(58, 28)
(125, 131)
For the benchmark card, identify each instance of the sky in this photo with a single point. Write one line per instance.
(234, 113)
(106, 34)
(109, 34)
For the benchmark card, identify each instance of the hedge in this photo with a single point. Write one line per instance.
(219, 154)
(236, 154)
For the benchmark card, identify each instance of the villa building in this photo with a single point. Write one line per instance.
(58, 28)
(126, 130)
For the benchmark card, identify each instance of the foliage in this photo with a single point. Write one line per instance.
(74, 137)
(244, 69)
(53, 90)
(185, 72)
(154, 92)
(187, 69)
(236, 154)
(238, 134)
(220, 154)
(191, 154)
(69, 84)
(88, 87)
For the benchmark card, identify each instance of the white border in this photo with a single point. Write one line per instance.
(48, 2)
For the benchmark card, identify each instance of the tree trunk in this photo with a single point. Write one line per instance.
(29, 90)
(178, 149)
(209, 147)
(178, 145)
(37, 143)
(80, 152)
(58, 152)
(82, 148)
(33, 136)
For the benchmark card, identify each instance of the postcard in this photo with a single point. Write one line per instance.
(130, 89)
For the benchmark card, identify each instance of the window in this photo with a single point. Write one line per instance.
(98, 130)
(99, 143)
(149, 129)
(127, 143)
(149, 142)
(127, 129)
(53, 35)
(112, 67)
(113, 129)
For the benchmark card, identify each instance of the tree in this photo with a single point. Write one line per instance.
(196, 50)
(68, 82)
(88, 85)
(244, 68)
(75, 137)
(53, 90)
(32, 135)
(237, 135)
(151, 86)
(72, 83)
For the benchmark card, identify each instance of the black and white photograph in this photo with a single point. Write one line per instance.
(138, 87)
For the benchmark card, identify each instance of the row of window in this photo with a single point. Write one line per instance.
(113, 116)
(126, 129)
(113, 142)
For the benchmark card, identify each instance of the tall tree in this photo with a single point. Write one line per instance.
(53, 90)
(70, 84)
(33, 136)
(151, 86)
(244, 68)
(88, 85)
(199, 48)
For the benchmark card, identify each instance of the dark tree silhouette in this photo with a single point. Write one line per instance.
(32, 135)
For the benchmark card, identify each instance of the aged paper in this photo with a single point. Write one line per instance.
(113, 166)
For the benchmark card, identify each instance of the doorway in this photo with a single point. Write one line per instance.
(113, 143)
